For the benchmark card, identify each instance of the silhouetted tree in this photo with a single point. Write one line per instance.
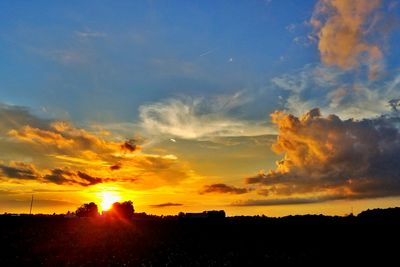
(87, 210)
(123, 210)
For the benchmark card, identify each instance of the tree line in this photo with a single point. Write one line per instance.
(124, 210)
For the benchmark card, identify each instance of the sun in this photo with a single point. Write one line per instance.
(108, 198)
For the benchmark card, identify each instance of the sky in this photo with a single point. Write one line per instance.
(254, 107)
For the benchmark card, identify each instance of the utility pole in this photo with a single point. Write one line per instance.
(30, 210)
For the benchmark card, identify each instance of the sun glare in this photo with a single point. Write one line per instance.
(108, 198)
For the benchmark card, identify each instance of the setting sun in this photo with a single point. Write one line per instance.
(108, 198)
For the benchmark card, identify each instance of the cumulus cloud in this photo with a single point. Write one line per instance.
(329, 158)
(345, 30)
(197, 118)
(222, 188)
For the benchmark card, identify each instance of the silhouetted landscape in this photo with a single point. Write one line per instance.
(195, 240)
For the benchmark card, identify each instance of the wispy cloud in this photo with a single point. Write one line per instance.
(222, 188)
(66, 176)
(90, 34)
(280, 201)
(165, 205)
(197, 118)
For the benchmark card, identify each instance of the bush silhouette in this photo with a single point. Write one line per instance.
(87, 210)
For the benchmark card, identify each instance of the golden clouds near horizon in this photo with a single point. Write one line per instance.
(50, 151)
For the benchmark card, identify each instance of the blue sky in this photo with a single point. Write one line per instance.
(121, 55)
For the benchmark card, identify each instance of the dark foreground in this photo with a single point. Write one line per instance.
(315, 240)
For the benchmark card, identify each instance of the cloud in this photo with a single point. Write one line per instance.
(61, 153)
(19, 170)
(164, 205)
(129, 145)
(222, 188)
(61, 137)
(17, 116)
(329, 158)
(335, 92)
(279, 202)
(115, 167)
(62, 176)
(198, 118)
(347, 33)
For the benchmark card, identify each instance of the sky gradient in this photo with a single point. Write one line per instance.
(255, 107)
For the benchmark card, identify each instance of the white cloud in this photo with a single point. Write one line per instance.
(198, 118)
(334, 92)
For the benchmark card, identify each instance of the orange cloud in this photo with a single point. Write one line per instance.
(223, 188)
(330, 158)
(344, 30)
(61, 138)
(61, 153)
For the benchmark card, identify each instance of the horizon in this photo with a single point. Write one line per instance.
(261, 107)
(104, 212)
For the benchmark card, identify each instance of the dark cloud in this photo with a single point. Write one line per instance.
(130, 145)
(19, 170)
(332, 158)
(222, 188)
(163, 205)
(61, 176)
(58, 176)
(90, 179)
(115, 167)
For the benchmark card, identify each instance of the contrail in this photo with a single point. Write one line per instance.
(208, 52)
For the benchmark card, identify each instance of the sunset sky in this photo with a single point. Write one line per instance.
(255, 107)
